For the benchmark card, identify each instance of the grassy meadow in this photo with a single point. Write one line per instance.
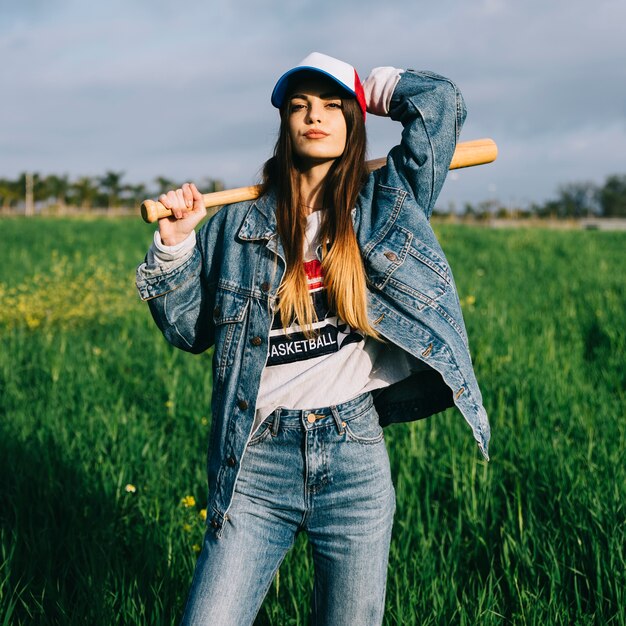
(104, 427)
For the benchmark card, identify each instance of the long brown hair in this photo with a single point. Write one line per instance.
(342, 265)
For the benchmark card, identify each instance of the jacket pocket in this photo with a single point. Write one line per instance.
(228, 316)
(407, 269)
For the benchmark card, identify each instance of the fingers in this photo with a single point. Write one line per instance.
(198, 199)
(180, 201)
(171, 201)
(187, 195)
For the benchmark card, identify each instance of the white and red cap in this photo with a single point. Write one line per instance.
(342, 73)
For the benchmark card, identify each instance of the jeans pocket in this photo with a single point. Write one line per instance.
(365, 428)
(261, 434)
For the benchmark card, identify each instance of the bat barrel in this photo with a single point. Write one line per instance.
(476, 152)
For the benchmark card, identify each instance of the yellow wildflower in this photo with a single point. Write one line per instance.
(204, 421)
(187, 528)
(130, 488)
(471, 300)
(188, 501)
(169, 404)
(196, 548)
(32, 322)
(202, 515)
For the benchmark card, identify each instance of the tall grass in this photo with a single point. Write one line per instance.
(103, 433)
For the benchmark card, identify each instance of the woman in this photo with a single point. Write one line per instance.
(333, 312)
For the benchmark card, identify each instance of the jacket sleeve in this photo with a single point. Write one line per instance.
(431, 110)
(181, 295)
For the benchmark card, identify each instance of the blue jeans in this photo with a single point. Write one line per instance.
(324, 471)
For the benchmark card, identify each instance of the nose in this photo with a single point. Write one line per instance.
(314, 113)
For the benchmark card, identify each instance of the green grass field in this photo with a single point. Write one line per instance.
(103, 433)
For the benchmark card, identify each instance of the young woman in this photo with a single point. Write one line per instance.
(333, 312)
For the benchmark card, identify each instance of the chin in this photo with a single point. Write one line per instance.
(320, 156)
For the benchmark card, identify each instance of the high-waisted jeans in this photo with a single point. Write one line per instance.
(324, 471)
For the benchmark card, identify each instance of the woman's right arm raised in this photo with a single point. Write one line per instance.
(432, 111)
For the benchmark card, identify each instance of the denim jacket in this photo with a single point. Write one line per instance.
(224, 293)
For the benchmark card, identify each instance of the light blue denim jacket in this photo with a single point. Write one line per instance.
(223, 294)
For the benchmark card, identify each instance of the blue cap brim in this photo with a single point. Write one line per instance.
(280, 89)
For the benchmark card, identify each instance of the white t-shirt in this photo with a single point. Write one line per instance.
(335, 365)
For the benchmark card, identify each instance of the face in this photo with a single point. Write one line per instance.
(317, 126)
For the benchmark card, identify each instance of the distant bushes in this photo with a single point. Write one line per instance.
(573, 200)
(36, 193)
(53, 192)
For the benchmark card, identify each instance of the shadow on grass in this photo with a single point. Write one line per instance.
(71, 554)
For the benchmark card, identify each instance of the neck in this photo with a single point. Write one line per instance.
(312, 184)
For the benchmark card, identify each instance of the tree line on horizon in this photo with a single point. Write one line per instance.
(573, 200)
(86, 193)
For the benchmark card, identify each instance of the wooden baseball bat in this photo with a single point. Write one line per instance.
(467, 154)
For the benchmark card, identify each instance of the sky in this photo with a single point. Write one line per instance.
(180, 88)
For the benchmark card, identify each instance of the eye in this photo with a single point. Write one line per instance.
(296, 106)
(335, 104)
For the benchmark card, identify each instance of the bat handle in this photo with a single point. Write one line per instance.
(152, 210)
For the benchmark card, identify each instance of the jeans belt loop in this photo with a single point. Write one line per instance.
(275, 422)
(338, 421)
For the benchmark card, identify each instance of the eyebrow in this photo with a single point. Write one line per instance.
(332, 95)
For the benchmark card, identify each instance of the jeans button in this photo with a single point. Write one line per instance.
(256, 341)
(231, 461)
(242, 404)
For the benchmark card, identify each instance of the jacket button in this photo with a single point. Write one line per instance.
(256, 341)
(392, 256)
(215, 523)
(216, 311)
(242, 404)
(231, 461)
(265, 286)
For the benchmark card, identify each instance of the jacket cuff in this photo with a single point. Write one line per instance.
(163, 254)
(153, 282)
(379, 87)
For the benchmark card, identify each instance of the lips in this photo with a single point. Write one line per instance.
(315, 134)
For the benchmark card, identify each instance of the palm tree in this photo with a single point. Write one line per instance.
(84, 192)
(57, 187)
(209, 185)
(134, 194)
(10, 192)
(111, 184)
(164, 184)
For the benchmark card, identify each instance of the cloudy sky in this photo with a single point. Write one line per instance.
(180, 88)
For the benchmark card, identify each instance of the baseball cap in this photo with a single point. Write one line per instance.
(342, 73)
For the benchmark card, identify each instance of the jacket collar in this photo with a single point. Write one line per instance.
(260, 221)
